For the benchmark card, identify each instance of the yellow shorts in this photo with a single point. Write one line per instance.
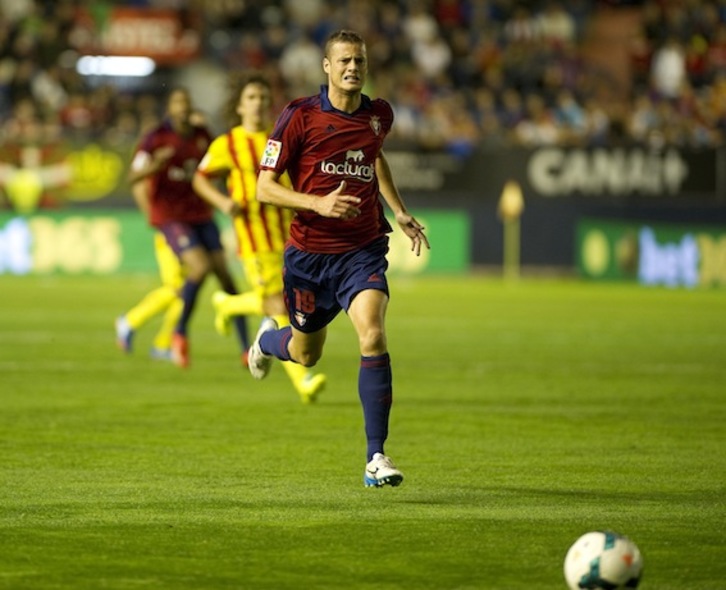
(170, 269)
(264, 273)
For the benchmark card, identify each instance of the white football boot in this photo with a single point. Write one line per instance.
(259, 362)
(381, 472)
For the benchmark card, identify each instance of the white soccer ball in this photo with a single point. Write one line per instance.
(603, 560)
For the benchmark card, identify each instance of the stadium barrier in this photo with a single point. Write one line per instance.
(674, 255)
(102, 242)
(560, 186)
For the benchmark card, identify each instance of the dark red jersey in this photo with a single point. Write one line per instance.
(320, 146)
(171, 194)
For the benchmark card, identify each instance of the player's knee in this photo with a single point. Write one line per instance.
(372, 342)
(198, 271)
(308, 358)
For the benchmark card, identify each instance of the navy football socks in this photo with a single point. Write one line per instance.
(275, 343)
(188, 295)
(375, 389)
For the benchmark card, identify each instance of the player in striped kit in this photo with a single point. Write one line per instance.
(261, 230)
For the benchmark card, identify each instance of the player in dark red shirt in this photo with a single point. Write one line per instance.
(168, 157)
(322, 147)
(331, 146)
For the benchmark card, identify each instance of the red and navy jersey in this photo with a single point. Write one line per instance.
(320, 146)
(171, 194)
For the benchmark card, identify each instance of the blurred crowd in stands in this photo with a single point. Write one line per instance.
(459, 73)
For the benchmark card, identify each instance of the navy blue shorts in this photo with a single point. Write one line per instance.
(319, 286)
(183, 236)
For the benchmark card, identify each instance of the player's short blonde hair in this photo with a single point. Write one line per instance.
(343, 36)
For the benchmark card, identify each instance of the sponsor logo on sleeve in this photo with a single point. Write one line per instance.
(271, 154)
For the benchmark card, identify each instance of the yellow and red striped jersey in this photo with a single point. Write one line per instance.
(237, 153)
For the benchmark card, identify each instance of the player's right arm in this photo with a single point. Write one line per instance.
(285, 144)
(147, 164)
(207, 190)
(216, 163)
(335, 204)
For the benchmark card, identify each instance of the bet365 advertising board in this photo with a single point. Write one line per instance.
(671, 255)
(104, 242)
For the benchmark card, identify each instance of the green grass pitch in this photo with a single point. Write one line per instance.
(525, 414)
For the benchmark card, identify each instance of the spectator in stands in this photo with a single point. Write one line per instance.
(522, 28)
(300, 65)
(431, 55)
(570, 118)
(716, 52)
(597, 123)
(668, 70)
(556, 25)
(538, 128)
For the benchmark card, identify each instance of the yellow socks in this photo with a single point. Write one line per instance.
(162, 340)
(151, 305)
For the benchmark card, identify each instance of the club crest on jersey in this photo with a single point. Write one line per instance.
(301, 318)
(376, 124)
(271, 153)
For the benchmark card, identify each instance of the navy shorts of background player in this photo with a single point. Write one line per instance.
(180, 236)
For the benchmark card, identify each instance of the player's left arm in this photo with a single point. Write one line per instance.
(140, 192)
(387, 187)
